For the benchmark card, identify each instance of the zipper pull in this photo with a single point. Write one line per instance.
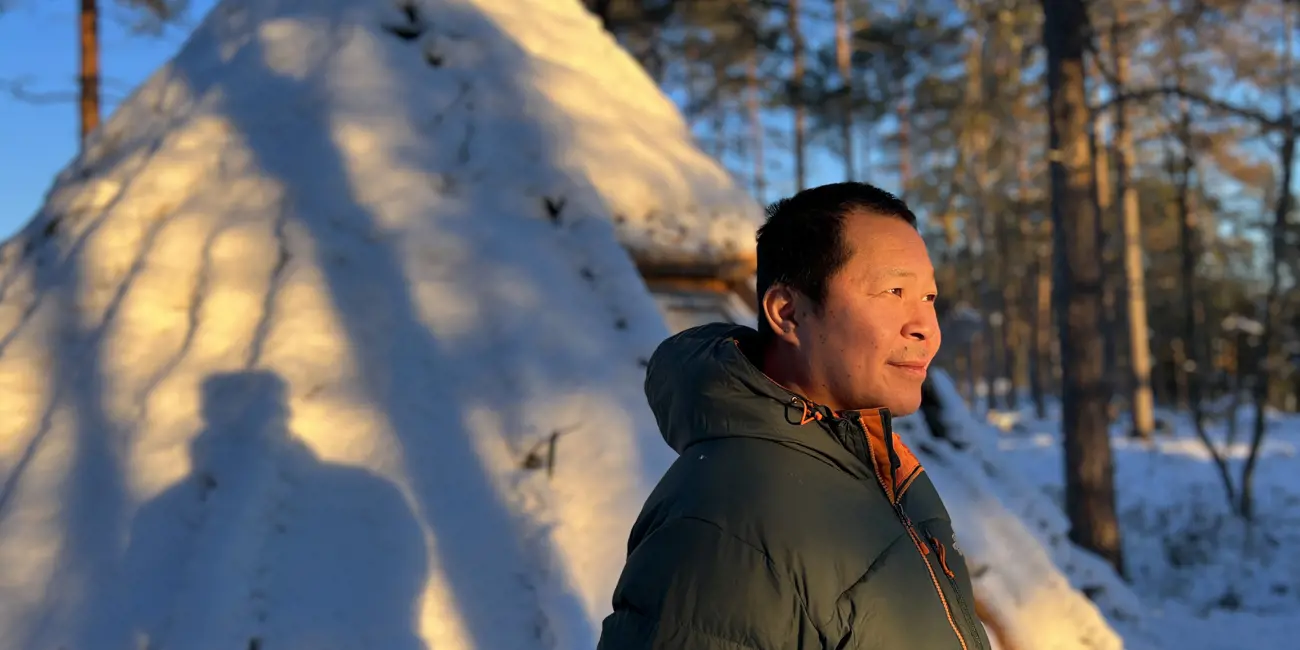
(943, 556)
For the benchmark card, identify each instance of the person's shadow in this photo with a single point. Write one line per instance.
(263, 545)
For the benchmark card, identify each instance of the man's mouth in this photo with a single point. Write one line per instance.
(912, 367)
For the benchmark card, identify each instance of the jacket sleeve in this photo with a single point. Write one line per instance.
(689, 585)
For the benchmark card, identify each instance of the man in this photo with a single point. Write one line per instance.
(794, 518)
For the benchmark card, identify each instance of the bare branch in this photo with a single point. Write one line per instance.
(20, 89)
(1266, 122)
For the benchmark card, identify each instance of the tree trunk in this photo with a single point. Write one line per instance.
(1010, 300)
(718, 125)
(1272, 318)
(691, 111)
(1019, 342)
(1089, 467)
(1142, 401)
(1273, 301)
(904, 114)
(1041, 370)
(753, 105)
(1035, 275)
(89, 68)
(652, 55)
(1193, 313)
(1105, 205)
(844, 61)
(797, 87)
(602, 10)
(976, 258)
(1178, 355)
(1239, 381)
(961, 367)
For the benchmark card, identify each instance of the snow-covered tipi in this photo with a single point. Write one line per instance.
(331, 337)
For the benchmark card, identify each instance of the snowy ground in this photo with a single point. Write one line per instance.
(1033, 588)
(1205, 581)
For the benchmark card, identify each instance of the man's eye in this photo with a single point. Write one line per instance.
(896, 292)
(930, 297)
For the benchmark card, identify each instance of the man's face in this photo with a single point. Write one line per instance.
(873, 340)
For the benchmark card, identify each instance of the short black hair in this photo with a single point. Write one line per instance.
(802, 244)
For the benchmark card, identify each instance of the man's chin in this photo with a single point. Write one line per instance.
(906, 406)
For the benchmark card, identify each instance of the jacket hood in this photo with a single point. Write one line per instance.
(701, 386)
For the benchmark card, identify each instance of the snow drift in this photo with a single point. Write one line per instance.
(1039, 591)
(330, 338)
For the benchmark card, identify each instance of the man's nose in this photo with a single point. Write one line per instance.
(923, 326)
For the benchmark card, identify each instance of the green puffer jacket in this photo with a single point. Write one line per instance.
(782, 525)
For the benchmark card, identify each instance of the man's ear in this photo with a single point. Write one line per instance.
(779, 310)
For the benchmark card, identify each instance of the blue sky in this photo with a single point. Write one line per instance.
(38, 49)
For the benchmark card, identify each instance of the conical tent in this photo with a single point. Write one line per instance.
(331, 338)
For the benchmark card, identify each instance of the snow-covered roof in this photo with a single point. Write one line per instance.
(330, 338)
(529, 100)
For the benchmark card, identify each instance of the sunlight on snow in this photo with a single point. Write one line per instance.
(25, 389)
(292, 47)
(391, 307)
(1012, 538)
